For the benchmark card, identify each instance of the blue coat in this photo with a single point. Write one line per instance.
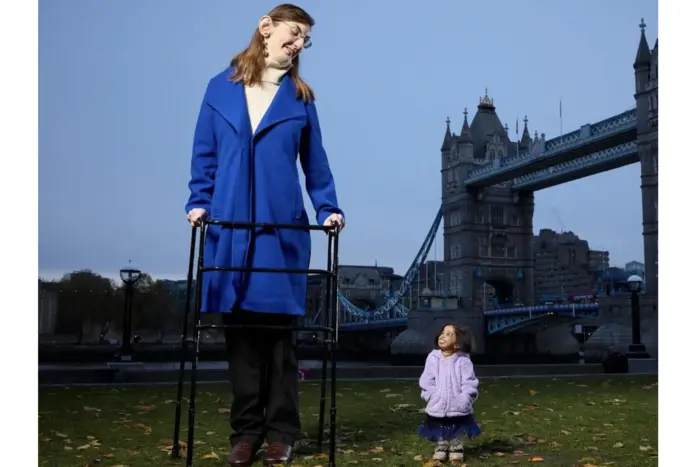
(244, 177)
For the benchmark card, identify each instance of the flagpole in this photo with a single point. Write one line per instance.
(561, 120)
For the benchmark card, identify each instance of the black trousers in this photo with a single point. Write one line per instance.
(264, 374)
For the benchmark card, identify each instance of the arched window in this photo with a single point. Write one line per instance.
(492, 154)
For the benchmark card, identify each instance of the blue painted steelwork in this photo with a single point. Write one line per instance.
(580, 165)
(586, 135)
(392, 309)
(516, 318)
(497, 321)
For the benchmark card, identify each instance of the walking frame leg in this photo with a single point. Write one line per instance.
(333, 355)
(195, 349)
(326, 343)
(181, 375)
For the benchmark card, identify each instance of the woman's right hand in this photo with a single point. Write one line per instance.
(195, 215)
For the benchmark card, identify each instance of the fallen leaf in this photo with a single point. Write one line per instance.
(536, 459)
(618, 445)
(532, 392)
(144, 408)
(211, 456)
(418, 458)
(223, 410)
(564, 432)
(645, 448)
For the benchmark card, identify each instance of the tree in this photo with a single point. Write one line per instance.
(153, 304)
(84, 297)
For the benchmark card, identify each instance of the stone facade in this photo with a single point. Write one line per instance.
(487, 232)
(646, 73)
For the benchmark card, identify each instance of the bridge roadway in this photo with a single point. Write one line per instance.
(592, 164)
(497, 321)
(589, 139)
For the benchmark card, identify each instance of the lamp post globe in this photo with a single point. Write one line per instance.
(636, 349)
(130, 276)
(634, 282)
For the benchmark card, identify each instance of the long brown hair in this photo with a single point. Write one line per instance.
(249, 64)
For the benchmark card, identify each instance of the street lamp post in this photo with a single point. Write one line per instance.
(636, 349)
(130, 276)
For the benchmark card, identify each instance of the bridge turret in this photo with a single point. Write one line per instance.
(642, 63)
(447, 140)
(465, 142)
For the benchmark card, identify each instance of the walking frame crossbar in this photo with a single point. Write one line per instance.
(268, 226)
(190, 343)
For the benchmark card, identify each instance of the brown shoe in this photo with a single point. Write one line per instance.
(277, 454)
(241, 455)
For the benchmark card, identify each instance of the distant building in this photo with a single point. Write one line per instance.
(598, 260)
(635, 267)
(565, 265)
(48, 312)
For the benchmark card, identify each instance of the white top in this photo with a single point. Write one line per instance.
(259, 97)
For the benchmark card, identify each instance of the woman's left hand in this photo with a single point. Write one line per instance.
(338, 218)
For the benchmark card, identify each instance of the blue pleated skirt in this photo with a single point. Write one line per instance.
(448, 428)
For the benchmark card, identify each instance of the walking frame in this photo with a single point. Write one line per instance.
(190, 344)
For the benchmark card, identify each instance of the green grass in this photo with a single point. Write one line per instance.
(558, 422)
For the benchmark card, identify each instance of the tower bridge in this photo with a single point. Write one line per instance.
(488, 186)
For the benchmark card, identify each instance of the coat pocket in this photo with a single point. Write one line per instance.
(298, 203)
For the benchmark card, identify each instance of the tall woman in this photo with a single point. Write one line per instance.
(256, 118)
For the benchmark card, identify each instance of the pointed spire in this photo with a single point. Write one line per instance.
(466, 135)
(447, 142)
(643, 52)
(526, 132)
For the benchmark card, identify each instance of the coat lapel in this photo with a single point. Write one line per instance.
(228, 99)
(285, 106)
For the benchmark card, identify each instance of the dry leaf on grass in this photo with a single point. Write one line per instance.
(536, 459)
(211, 456)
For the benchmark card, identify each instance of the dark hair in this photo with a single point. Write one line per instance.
(465, 339)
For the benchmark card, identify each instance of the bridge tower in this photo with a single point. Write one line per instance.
(488, 231)
(646, 96)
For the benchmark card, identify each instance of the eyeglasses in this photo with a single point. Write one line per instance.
(297, 34)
